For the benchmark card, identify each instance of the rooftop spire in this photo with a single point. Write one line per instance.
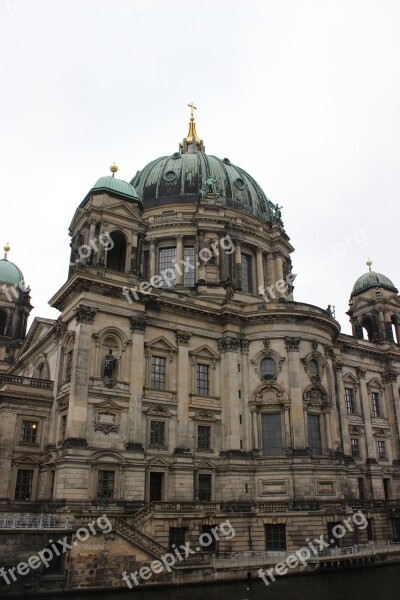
(7, 249)
(192, 141)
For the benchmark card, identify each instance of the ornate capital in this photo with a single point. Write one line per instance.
(389, 376)
(138, 323)
(182, 337)
(292, 344)
(228, 344)
(85, 314)
(361, 372)
(339, 366)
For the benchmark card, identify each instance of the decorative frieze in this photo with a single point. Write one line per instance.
(62, 404)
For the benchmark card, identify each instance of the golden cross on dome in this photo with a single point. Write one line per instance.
(192, 107)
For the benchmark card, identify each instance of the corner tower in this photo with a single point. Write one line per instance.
(375, 308)
(15, 307)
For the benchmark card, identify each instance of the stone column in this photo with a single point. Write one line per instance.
(327, 424)
(260, 272)
(238, 265)
(229, 346)
(364, 398)
(137, 376)
(270, 270)
(134, 254)
(392, 397)
(333, 417)
(296, 395)
(245, 386)
(152, 258)
(179, 258)
(182, 387)
(343, 421)
(77, 413)
(93, 243)
(222, 258)
(278, 271)
(254, 422)
(128, 257)
(288, 437)
(201, 270)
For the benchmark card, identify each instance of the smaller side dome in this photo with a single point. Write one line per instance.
(372, 279)
(114, 187)
(10, 273)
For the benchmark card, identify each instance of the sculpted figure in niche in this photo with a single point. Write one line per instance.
(110, 362)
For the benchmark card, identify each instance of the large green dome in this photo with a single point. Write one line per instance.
(373, 279)
(10, 273)
(181, 179)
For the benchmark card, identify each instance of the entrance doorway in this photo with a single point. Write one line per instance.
(155, 488)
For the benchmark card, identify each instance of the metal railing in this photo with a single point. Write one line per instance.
(247, 559)
(34, 521)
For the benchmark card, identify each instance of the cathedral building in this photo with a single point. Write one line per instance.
(182, 381)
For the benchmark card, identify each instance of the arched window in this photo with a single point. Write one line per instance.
(116, 256)
(395, 329)
(368, 329)
(313, 367)
(3, 322)
(41, 371)
(268, 368)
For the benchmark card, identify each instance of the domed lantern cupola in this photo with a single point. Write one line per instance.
(375, 308)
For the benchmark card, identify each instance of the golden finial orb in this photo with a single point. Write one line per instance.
(113, 169)
(7, 248)
(369, 263)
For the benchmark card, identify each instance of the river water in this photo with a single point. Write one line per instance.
(381, 583)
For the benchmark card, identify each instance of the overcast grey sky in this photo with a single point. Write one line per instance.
(303, 94)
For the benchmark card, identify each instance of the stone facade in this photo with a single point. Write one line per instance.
(224, 391)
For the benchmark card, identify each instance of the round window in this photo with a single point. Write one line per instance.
(170, 176)
(240, 183)
(268, 368)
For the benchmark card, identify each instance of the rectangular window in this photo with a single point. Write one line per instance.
(246, 274)
(204, 487)
(382, 450)
(203, 437)
(23, 488)
(29, 432)
(167, 259)
(210, 542)
(361, 488)
(376, 408)
(202, 380)
(146, 265)
(370, 530)
(314, 434)
(387, 488)
(275, 537)
(157, 380)
(355, 448)
(348, 392)
(188, 271)
(272, 434)
(177, 537)
(105, 485)
(157, 433)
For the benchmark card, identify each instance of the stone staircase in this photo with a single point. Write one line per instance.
(135, 536)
